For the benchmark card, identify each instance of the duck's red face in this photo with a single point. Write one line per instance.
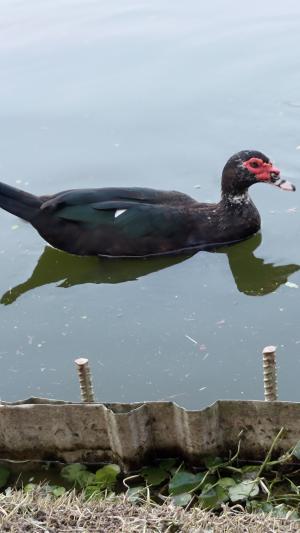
(263, 171)
(267, 172)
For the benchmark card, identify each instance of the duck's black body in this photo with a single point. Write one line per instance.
(84, 221)
(142, 222)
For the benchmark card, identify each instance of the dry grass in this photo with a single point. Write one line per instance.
(39, 512)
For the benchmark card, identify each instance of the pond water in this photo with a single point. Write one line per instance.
(154, 93)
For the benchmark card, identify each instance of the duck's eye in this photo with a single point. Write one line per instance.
(254, 164)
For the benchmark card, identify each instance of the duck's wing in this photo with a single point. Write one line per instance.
(136, 220)
(135, 212)
(113, 194)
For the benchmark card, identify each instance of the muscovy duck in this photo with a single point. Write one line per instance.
(124, 222)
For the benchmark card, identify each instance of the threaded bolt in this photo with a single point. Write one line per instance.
(85, 380)
(270, 378)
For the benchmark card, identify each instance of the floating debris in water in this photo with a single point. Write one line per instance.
(291, 285)
(202, 347)
(191, 339)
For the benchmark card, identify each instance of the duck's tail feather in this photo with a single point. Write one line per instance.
(19, 203)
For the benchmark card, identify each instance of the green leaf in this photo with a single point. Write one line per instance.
(249, 468)
(181, 500)
(212, 462)
(57, 490)
(93, 491)
(4, 475)
(72, 472)
(296, 450)
(226, 482)
(85, 479)
(255, 506)
(284, 511)
(134, 494)
(279, 511)
(77, 473)
(184, 481)
(243, 491)
(106, 477)
(30, 487)
(212, 499)
(209, 481)
(154, 475)
(249, 472)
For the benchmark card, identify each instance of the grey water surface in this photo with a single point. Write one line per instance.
(154, 93)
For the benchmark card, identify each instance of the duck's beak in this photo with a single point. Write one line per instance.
(276, 180)
(272, 174)
(268, 173)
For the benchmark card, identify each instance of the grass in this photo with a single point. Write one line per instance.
(39, 511)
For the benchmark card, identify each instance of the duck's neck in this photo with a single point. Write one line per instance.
(235, 199)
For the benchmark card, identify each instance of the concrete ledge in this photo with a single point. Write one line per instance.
(131, 434)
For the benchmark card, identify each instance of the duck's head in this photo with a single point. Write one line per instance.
(248, 167)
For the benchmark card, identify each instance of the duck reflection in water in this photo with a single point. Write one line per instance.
(251, 274)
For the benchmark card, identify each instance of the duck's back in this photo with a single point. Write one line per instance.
(116, 221)
(118, 195)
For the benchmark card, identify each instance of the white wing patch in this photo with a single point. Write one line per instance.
(119, 212)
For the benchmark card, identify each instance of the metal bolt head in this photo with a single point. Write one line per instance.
(81, 361)
(269, 349)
